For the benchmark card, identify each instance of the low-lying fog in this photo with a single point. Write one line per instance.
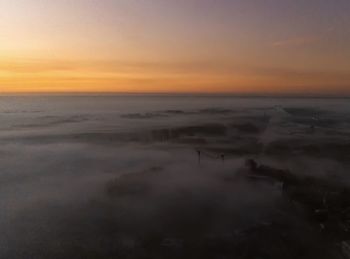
(161, 177)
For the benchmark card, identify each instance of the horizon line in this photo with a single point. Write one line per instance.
(178, 94)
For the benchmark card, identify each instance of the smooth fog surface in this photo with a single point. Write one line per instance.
(61, 159)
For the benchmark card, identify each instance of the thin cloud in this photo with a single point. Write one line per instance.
(295, 41)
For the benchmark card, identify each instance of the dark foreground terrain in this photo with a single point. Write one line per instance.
(258, 182)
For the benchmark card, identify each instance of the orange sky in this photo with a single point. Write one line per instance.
(175, 46)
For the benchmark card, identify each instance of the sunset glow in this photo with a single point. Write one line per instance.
(201, 46)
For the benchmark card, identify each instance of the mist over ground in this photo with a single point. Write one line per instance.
(165, 177)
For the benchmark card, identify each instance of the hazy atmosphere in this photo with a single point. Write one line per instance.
(121, 177)
(174, 129)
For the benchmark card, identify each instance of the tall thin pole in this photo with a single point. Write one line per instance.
(199, 156)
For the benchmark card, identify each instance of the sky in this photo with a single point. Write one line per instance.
(175, 46)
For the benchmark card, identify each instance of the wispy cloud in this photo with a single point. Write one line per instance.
(296, 41)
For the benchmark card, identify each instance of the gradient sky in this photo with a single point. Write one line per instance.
(238, 46)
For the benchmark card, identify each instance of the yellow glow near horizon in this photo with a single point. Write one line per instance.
(108, 76)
